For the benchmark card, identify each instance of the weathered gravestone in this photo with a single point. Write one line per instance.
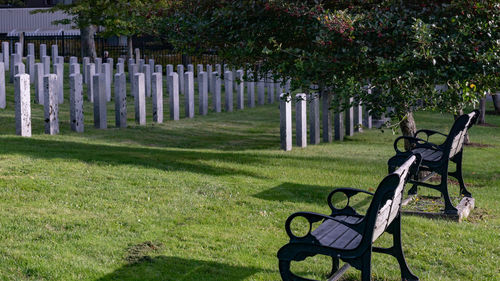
(173, 91)
(100, 112)
(228, 89)
(314, 118)
(22, 105)
(76, 102)
(43, 51)
(90, 86)
(189, 95)
(216, 82)
(51, 104)
(139, 98)
(59, 71)
(120, 100)
(39, 97)
(2, 85)
(157, 93)
(203, 92)
(301, 120)
(286, 122)
(6, 54)
(240, 90)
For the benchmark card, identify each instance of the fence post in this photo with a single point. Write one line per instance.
(62, 42)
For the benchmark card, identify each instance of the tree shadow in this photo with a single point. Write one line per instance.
(148, 157)
(304, 193)
(175, 268)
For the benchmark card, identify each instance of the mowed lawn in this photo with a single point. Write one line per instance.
(207, 199)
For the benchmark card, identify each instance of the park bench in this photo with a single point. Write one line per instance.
(347, 235)
(436, 158)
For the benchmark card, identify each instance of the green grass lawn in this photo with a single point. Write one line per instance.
(207, 198)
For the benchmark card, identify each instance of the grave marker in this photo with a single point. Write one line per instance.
(173, 91)
(301, 120)
(76, 102)
(157, 92)
(59, 71)
(203, 92)
(100, 112)
(139, 98)
(228, 89)
(240, 90)
(216, 82)
(90, 86)
(120, 100)
(146, 69)
(189, 98)
(51, 104)
(39, 97)
(2, 85)
(286, 122)
(314, 118)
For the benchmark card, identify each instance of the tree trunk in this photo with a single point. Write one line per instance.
(88, 43)
(408, 128)
(130, 47)
(496, 102)
(482, 114)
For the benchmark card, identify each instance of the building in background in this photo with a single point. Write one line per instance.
(18, 19)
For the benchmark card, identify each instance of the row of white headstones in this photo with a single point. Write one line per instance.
(147, 80)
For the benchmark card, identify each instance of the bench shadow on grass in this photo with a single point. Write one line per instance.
(176, 268)
(303, 193)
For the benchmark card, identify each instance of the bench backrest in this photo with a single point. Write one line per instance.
(458, 132)
(386, 203)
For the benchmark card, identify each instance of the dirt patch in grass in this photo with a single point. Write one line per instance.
(478, 215)
(475, 144)
(429, 204)
(487, 125)
(140, 252)
(437, 179)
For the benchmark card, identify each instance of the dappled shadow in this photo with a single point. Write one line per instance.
(163, 159)
(304, 193)
(176, 268)
(256, 128)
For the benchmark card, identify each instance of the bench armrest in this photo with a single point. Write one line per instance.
(417, 142)
(349, 192)
(311, 218)
(429, 133)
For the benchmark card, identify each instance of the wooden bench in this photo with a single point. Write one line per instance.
(436, 158)
(347, 235)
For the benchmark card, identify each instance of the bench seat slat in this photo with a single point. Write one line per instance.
(336, 235)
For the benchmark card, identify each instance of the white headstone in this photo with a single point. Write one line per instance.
(173, 91)
(228, 89)
(301, 119)
(203, 92)
(2, 85)
(120, 100)
(100, 112)
(286, 122)
(76, 102)
(157, 92)
(140, 98)
(51, 104)
(189, 95)
(39, 97)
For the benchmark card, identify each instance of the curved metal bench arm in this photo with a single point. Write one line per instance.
(349, 192)
(311, 218)
(417, 141)
(429, 133)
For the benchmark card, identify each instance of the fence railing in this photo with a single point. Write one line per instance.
(151, 48)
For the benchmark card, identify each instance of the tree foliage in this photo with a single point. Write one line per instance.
(402, 49)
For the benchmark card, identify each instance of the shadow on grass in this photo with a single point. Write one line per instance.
(175, 268)
(169, 160)
(313, 194)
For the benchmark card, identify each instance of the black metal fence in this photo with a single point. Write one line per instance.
(151, 48)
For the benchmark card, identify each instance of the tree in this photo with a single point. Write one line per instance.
(403, 49)
(118, 17)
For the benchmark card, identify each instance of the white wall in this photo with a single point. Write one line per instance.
(21, 20)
